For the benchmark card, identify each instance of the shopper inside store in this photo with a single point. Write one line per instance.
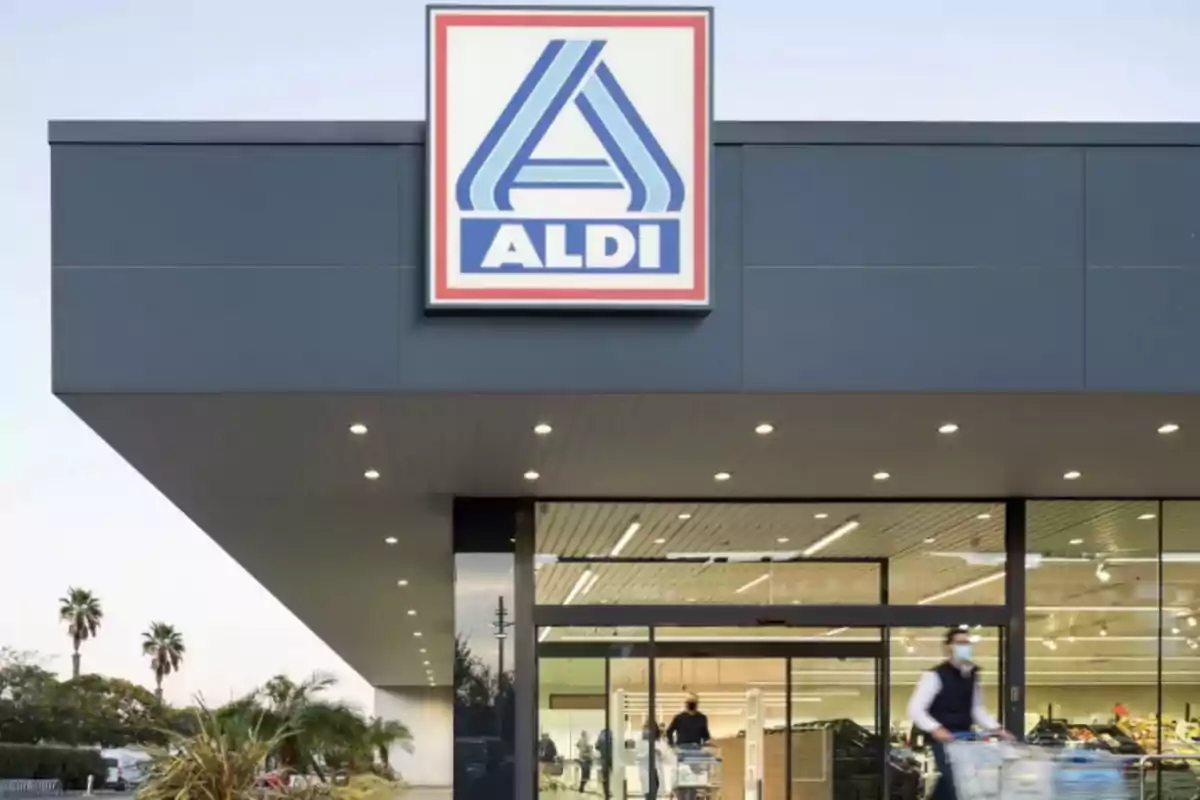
(948, 704)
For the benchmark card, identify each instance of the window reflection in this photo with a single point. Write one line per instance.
(483, 680)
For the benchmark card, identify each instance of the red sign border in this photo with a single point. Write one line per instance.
(693, 296)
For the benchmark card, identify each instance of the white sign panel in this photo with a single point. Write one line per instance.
(569, 158)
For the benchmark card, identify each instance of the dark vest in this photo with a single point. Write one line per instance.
(952, 706)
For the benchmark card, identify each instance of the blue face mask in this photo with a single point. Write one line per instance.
(963, 652)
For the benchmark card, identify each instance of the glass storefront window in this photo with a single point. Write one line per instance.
(674, 583)
(1093, 617)
(770, 553)
(1181, 627)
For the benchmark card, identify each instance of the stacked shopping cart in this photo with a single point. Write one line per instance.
(697, 774)
(985, 770)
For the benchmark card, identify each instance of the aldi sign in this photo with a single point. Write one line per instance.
(569, 155)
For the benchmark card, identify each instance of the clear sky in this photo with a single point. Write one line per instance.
(72, 512)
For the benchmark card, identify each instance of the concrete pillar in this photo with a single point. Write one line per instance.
(429, 715)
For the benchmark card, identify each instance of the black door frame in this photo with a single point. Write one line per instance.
(780, 649)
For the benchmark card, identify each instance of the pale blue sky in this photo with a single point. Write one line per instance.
(72, 512)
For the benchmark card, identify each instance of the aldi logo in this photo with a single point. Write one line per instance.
(569, 158)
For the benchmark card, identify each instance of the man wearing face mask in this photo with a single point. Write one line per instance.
(948, 702)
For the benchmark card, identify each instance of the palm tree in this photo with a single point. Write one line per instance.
(80, 609)
(322, 730)
(165, 647)
(382, 733)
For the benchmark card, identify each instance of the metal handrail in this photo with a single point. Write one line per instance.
(1146, 759)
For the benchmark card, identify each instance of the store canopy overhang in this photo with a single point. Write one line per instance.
(278, 481)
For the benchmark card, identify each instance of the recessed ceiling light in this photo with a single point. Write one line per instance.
(371, 474)
(881, 476)
(426, 663)
(358, 429)
(1072, 475)
(532, 475)
(984, 515)
(417, 634)
(1168, 427)
(930, 539)
(1145, 516)
(722, 476)
(422, 651)
(391, 540)
(1077, 541)
(764, 428)
(542, 429)
(684, 515)
(820, 515)
(948, 427)
(783, 540)
(660, 541)
(402, 582)
(690, 600)
(412, 612)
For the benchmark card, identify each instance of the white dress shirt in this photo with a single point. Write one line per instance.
(922, 698)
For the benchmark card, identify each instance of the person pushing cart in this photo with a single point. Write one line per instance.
(948, 703)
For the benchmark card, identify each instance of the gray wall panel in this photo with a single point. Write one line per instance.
(1143, 206)
(953, 258)
(588, 353)
(217, 330)
(913, 329)
(1143, 332)
(913, 206)
(240, 205)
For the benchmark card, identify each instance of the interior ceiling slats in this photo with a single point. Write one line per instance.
(1086, 619)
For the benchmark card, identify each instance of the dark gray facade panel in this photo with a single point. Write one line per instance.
(226, 205)
(410, 224)
(913, 206)
(1143, 332)
(588, 353)
(880, 329)
(213, 330)
(1143, 207)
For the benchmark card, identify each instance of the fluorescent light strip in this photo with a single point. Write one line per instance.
(591, 584)
(585, 578)
(630, 532)
(1168, 558)
(831, 537)
(766, 576)
(964, 587)
(545, 632)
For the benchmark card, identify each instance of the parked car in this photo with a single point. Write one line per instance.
(126, 768)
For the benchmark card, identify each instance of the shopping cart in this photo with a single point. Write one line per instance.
(697, 774)
(990, 770)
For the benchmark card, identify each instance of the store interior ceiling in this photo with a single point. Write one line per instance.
(279, 482)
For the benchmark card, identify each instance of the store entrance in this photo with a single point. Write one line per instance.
(787, 718)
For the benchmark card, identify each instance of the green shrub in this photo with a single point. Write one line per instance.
(68, 764)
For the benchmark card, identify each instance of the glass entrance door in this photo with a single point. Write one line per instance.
(779, 723)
